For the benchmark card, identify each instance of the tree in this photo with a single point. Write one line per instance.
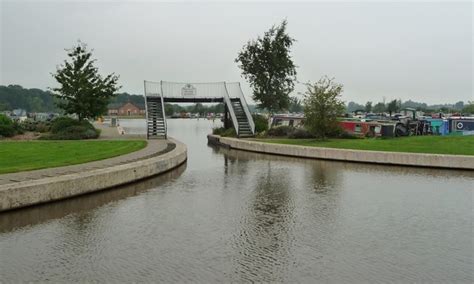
(83, 90)
(368, 107)
(267, 65)
(353, 106)
(322, 106)
(4, 106)
(469, 108)
(295, 105)
(459, 105)
(198, 108)
(379, 108)
(393, 106)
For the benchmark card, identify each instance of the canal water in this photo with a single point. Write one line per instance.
(229, 215)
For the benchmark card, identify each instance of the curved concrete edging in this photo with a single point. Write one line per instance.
(44, 190)
(362, 156)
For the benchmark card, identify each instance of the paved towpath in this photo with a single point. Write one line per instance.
(153, 148)
(107, 132)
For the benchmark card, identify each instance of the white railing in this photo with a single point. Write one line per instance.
(152, 89)
(193, 90)
(165, 123)
(228, 102)
(146, 110)
(235, 91)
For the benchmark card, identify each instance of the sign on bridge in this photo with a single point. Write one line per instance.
(188, 91)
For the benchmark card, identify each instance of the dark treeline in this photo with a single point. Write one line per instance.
(37, 100)
(398, 104)
(194, 108)
(31, 100)
(122, 98)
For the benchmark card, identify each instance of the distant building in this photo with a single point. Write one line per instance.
(19, 115)
(126, 109)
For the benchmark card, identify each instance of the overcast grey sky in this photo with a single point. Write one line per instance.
(420, 51)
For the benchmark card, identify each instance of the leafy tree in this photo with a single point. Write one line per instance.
(198, 108)
(122, 98)
(444, 109)
(83, 90)
(295, 105)
(469, 108)
(459, 105)
(379, 107)
(4, 106)
(393, 106)
(413, 104)
(169, 109)
(368, 107)
(267, 64)
(353, 106)
(322, 107)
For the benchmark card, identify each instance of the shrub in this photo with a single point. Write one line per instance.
(28, 125)
(5, 120)
(73, 133)
(300, 133)
(62, 123)
(229, 133)
(224, 132)
(218, 131)
(38, 126)
(261, 123)
(6, 130)
(42, 127)
(65, 128)
(17, 127)
(280, 131)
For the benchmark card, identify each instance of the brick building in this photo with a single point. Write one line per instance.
(126, 109)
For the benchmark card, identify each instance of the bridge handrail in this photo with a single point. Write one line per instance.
(146, 105)
(246, 109)
(200, 90)
(235, 92)
(165, 123)
(231, 110)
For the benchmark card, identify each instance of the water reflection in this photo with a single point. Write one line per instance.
(264, 240)
(12, 220)
(234, 154)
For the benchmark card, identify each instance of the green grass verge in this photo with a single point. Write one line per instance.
(453, 145)
(16, 156)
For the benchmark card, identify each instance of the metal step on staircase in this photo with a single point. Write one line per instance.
(244, 129)
(156, 124)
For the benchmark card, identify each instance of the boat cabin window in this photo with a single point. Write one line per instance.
(358, 128)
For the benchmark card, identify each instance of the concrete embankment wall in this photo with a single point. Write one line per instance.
(26, 193)
(374, 157)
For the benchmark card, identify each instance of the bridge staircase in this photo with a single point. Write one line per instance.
(156, 124)
(243, 128)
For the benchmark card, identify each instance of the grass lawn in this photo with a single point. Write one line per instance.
(454, 145)
(16, 156)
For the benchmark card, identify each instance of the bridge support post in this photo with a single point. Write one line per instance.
(226, 117)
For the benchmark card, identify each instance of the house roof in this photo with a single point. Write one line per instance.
(114, 105)
(119, 105)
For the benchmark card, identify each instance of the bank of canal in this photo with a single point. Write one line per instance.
(228, 215)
